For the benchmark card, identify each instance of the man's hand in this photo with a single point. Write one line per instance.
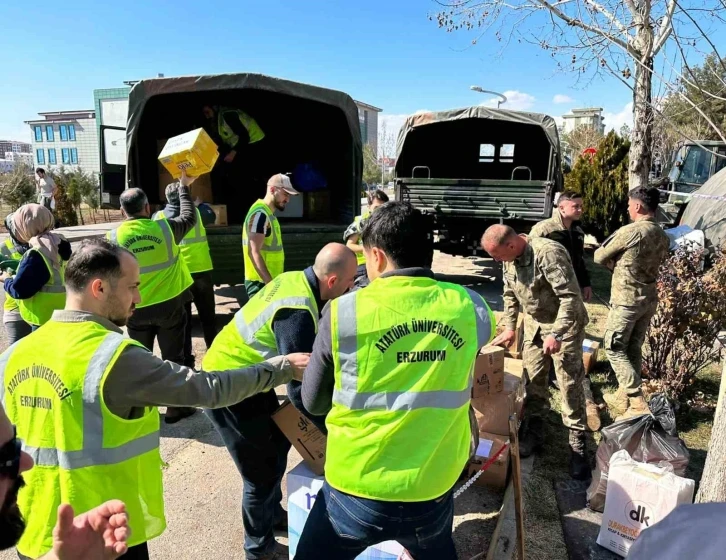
(185, 180)
(99, 534)
(505, 339)
(5, 275)
(298, 361)
(551, 345)
(587, 293)
(229, 158)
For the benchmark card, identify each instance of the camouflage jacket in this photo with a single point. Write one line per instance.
(634, 253)
(572, 239)
(541, 283)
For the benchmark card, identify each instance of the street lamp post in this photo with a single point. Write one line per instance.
(502, 97)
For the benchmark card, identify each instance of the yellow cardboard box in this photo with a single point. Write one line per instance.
(194, 151)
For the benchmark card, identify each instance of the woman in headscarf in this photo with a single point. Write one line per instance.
(38, 284)
(11, 253)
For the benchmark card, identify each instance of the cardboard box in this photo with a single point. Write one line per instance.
(496, 474)
(304, 436)
(589, 354)
(638, 496)
(302, 490)
(515, 350)
(515, 367)
(201, 188)
(488, 371)
(194, 151)
(317, 205)
(221, 211)
(493, 411)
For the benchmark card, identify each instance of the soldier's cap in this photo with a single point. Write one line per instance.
(171, 193)
(281, 181)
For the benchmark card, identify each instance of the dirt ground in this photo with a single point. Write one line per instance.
(203, 488)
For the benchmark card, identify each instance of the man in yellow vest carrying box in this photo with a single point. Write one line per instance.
(83, 398)
(194, 250)
(165, 279)
(282, 318)
(395, 361)
(264, 257)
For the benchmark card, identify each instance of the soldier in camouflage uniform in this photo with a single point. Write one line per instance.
(634, 253)
(564, 228)
(539, 280)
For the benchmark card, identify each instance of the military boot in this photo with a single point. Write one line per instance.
(579, 467)
(636, 407)
(531, 436)
(617, 402)
(593, 416)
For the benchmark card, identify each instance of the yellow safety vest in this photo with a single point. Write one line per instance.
(227, 134)
(9, 251)
(249, 338)
(38, 309)
(272, 252)
(163, 274)
(194, 247)
(403, 351)
(360, 256)
(52, 389)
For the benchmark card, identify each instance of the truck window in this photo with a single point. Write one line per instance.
(696, 166)
(486, 153)
(115, 146)
(720, 161)
(506, 154)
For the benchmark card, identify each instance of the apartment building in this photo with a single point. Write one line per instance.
(368, 118)
(65, 138)
(590, 117)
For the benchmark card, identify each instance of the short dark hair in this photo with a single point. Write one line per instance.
(647, 196)
(377, 194)
(133, 201)
(95, 258)
(568, 194)
(403, 233)
(40, 170)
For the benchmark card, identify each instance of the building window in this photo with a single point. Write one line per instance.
(72, 132)
(64, 132)
(51, 156)
(49, 133)
(65, 152)
(40, 156)
(74, 156)
(38, 133)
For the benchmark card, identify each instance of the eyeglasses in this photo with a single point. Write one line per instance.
(10, 456)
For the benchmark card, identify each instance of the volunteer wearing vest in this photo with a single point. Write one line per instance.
(38, 285)
(395, 361)
(83, 398)
(353, 239)
(264, 257)
(165, 280)
(282, 318)
(98, 533)
(194, 250)
(11, 253)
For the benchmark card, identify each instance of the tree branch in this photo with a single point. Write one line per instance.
(666, 28)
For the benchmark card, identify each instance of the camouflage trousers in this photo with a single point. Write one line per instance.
(570, 373)
(623, 341)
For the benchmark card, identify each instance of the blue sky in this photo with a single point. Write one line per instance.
(387, 54)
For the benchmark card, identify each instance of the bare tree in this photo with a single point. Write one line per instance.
(637, 41)
(386, 147)
(581, 138)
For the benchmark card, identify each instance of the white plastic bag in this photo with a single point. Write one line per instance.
(638, 496)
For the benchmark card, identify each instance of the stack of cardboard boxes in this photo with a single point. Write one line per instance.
(497, 393)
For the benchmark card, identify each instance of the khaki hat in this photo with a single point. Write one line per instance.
(281, 181)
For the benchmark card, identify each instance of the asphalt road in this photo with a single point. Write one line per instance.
(202, 487)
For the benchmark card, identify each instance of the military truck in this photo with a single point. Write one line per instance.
(473, 167)
(303, 124)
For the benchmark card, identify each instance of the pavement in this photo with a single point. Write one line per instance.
(202, 487)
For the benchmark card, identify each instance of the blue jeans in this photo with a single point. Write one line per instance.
(342, 526)
(259, 450)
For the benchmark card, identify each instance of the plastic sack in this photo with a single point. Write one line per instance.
(651, 438)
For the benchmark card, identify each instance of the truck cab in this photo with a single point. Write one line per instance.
(473, 167)
(306, 127)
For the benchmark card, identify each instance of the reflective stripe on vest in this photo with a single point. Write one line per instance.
(249, 338)
(171, 258)
(227, 134)
(194, 247)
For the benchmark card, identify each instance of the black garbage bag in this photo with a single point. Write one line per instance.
(651, 438)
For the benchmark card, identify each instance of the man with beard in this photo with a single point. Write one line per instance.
(99, 534)
(264, 257)
(84, 398)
